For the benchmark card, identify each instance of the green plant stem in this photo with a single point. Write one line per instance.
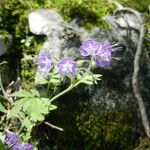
(3, 97)
(62, 93)
(3, 91)
(73, 85)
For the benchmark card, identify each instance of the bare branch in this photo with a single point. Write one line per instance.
(53, 126)
(135, 83)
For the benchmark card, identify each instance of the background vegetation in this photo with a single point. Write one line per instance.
(83, 128)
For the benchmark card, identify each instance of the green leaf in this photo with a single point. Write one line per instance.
(17, 107)
(42, 80)
(2, 146)
(36, 108)
(88, 79)
(31, 105)
(23, 93)
(35, 92)
(27, 123)
(2, 108)
(96, 77)
(91, 79)
(55, 78)
(36, 118)
(55, 81)
(52, 107)
(78, 77)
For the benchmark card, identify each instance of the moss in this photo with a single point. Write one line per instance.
(91, 12)
(144, 144)
(28, 72)
(106, 130)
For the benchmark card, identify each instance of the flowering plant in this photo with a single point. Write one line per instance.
(31, 107)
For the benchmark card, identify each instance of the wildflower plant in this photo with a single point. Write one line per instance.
(31, 107)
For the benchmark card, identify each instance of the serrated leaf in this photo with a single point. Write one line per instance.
(32, 105)
(42, 81)
(23, 93)
(96, 77)
(46, 101)
(17, 107)
(36, 118)
(36, 108)
(2, 108)
(91, 79)
(35, 92)
(87, 82)
(52, 107)
(55, 81)
(27, 123)
(88, 79)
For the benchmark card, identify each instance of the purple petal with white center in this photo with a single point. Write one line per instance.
(44, 62)
(67, 66)
(23, 146)
(90, 47)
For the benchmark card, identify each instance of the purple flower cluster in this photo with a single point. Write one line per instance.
(100, 51)
(12, 141)
(67, 66)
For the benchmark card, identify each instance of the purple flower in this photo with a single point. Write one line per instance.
(67, 66)
(104, 57)
(90, 47)
(23, 146)
(11, 139)
(44, 62)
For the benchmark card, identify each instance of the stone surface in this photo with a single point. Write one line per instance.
(124, 25)
(64, 39)
(114, 92)
(61, 36)
(44, 21)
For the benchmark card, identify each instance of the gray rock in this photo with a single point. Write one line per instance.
(124, 24)
(64, 39)
(61, 36)
(44, 22)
